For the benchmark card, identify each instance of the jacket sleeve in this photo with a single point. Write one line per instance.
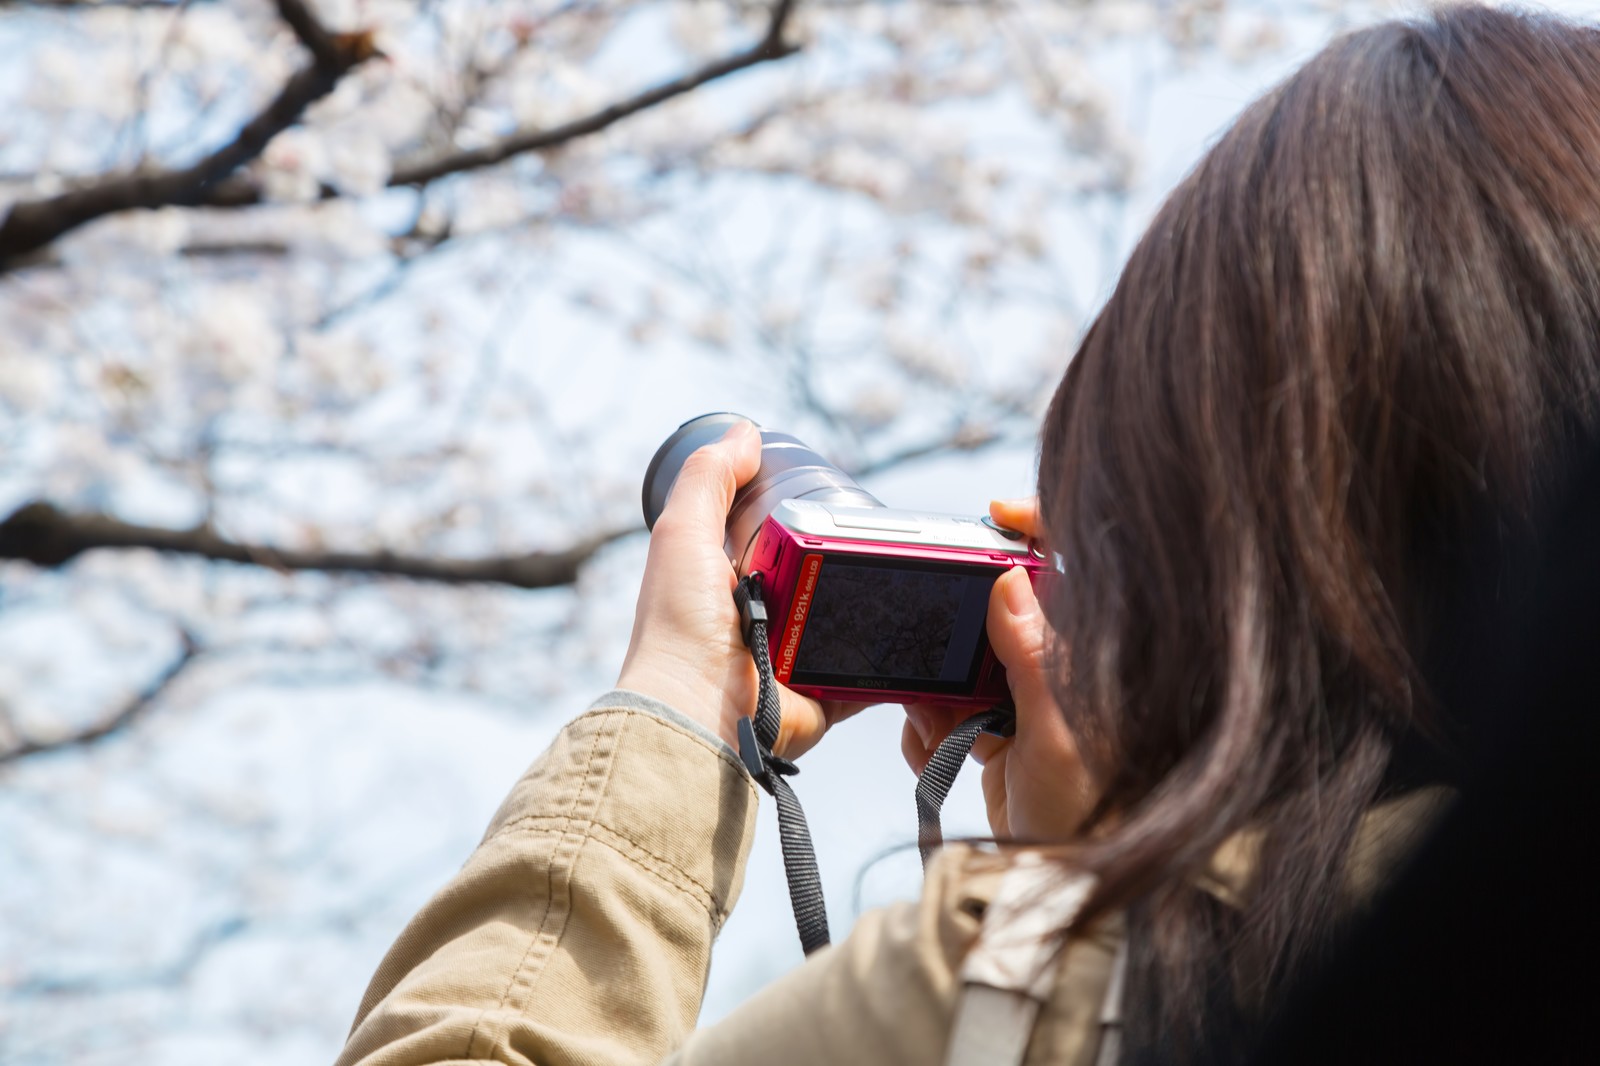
(580, 930)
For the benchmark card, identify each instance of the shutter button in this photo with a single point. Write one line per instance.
(1009, 534)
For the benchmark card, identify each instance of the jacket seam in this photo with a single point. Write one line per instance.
(594, 768)
(559, 870)
(684, 881)
(662, 868)
(721, 753)
(598, 713)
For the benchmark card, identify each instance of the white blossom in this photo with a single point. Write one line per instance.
(293, 166)
(232, 334)
(25, 383)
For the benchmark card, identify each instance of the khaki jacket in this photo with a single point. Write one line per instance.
(580, 930)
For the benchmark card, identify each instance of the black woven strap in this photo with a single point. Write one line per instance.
(756, 738)
(933, 784)
(758, 735)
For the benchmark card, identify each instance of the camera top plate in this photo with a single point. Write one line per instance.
(889, 526)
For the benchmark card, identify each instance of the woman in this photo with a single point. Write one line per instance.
(1365, 328)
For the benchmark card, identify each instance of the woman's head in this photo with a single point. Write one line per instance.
(1368, 321)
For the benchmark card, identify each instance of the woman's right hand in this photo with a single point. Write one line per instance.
(686, 649)
(1034, 784)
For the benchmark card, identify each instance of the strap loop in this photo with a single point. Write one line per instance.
(756, 737)
(758, 759)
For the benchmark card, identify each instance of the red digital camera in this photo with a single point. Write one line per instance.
(865, 603)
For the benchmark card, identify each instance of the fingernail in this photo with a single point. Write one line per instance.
(920, 723)
(739, 430)
(1018, 592)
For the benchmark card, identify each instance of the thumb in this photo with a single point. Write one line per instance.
(705, 486)
(802, 725)
(1019, 635)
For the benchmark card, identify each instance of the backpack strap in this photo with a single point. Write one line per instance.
(1110, 1051)
(1011, 971)
(992, 1027)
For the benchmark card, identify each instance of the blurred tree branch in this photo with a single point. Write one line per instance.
(964, 439)
(771, 46)
(62, 5)
(119, 720)
(42, 534)
(212, 182)
(244, 192)
(34, 224)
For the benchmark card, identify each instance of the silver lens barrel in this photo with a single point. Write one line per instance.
(789, 471)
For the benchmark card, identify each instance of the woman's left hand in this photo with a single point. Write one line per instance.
(1034, 784)
(686, 649)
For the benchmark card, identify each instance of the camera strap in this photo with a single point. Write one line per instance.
(757, 736)
(934, 783)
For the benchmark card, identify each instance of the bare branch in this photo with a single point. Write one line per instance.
(226, 249)
(772, 46)
(327, 50)
(964, 440)
(117, 722)
(44, 535)
(31, 225)
(62, 5)
(155, 974)
(212, 182)
(243, 192)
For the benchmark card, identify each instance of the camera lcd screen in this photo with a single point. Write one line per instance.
(871, 624)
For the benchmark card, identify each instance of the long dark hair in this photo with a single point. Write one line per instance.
(1367, 323)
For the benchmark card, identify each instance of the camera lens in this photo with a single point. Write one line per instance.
(789, 471)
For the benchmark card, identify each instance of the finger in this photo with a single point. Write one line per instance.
(803, 722)
(920, 717)
(912, 749)
(987, 746)
(926, 727)
(935, 721)
(704, 490)
(1017, 633)
(994, 794)
(1021, 515)
(836, 711)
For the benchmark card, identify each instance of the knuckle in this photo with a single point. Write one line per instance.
(1035, 646)
(671, 525)
(912, 749)
(707, 461)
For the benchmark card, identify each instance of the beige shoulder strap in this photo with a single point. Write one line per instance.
(1009, 973)
(992, 1027)
(1110, 1051)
